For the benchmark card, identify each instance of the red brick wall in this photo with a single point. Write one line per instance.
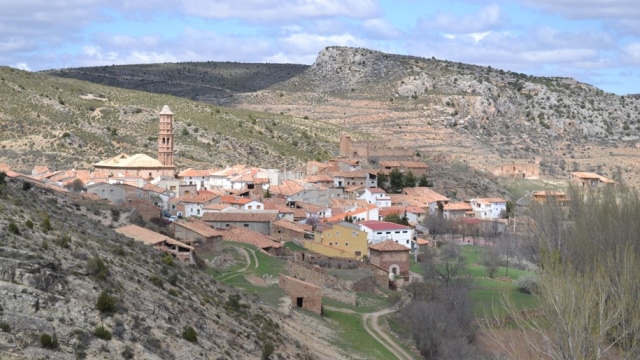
(311, 294)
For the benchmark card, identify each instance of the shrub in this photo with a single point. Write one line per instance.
(173, 292)
(267, 351)
(190, 334)
(29, 224)
(97, 268)
(46, 224)
(5, 327)
(106, 303)
(115, 214)
(527, 284)
(63, 241)
(155, 280)
(26, 185)
(102, 333)
(128, 353)
(167, 259)
(14, 228)
(48, 342)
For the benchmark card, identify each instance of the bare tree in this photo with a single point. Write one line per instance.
(587, 283)
(490, 258)
(443, 264)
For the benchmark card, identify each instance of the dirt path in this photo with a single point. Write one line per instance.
(247, 258)
(377, 333)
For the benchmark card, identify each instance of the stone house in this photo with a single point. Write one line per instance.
(198, 234)
(177, 249)
(303, 294)
(390, 256)
(284, 230)
(194, 204)
(424, 198)
(261, 241)
(416, 167)
(457, 210)
(258, 221)
(544, 196)
(590, 179)
(144, 209)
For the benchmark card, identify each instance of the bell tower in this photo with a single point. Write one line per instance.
(165, 137)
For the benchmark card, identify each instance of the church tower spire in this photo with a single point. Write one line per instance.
(165, 137)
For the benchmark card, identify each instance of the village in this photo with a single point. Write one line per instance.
(370, 209)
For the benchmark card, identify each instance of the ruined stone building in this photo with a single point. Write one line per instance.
(367, 149)
(518, 171)
(143, 165)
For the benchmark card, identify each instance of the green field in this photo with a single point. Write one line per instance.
(353, 337)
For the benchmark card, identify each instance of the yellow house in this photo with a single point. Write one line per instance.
(340, 240)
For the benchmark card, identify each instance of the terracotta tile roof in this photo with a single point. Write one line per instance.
(154, 188)
(318, 179)
(281, 208)
(240, 216)
(192, 172)
(195, 198)
(241, 201)
(217, 206)
(423, 195)
(490, 200)
(310, 208)
(4, 167)
(592, 176)
(390, 163)
(414, 164)
(376, 191)
(348, 174)
(287, 188)
(549, 193)
(230, 171)
(353, 188)
(421, 241)
(399, 210)
(40, 170)
(260, 181)
(293, 225)
(388, 245)
(346, 203)
(302, 284)
(459, 206)
(358, 211)
(249, 237)
(382, 225)
(148, 237)
(197, 226)
(133, 161)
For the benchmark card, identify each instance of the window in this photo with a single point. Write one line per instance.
(249, 207)
(337, 233)
(346, 244)
(246, 225)
(388, 232)
(404, 231)
(398, 232)
(198, 211)
(379, 233)
(354, 233)
(330, 244)
(358, 253)
(226, 225)
(111, 191)
(328, 234)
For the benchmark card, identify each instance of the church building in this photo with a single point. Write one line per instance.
(144, 165)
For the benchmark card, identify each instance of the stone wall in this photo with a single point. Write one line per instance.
(303, 294)
(331, 286)
(282, 233)
(146, 210)
(365, 149)
(387, 259)
(519, 171)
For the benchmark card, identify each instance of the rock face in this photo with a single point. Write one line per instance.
(50, 282)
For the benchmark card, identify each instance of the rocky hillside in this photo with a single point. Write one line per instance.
(57, 259)
(67, 123)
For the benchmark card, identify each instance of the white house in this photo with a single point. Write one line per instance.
(199, 178)
(379, 231)
(488, 208)
(194, 204)
(376, 196)
(247, 204)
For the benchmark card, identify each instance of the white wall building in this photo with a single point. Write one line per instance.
(379, 231)
(377, 197)
(489, 208)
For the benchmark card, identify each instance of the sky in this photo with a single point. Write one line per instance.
(593, 41)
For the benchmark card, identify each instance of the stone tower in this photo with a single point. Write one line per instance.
(165, 137)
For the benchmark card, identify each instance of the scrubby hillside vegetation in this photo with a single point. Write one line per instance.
(67, 123)
(70, 287)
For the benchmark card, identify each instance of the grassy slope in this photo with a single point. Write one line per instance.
(45, 119)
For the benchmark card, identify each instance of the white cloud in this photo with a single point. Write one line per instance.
(22, 66)
(279, 10)
(381, 29)
(631, 54)
(301, 43)
(591, 9)
(488, 18)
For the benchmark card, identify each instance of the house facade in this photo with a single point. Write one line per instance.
(376, 196)
(379, 231)
(489, 208)
(340, 240)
